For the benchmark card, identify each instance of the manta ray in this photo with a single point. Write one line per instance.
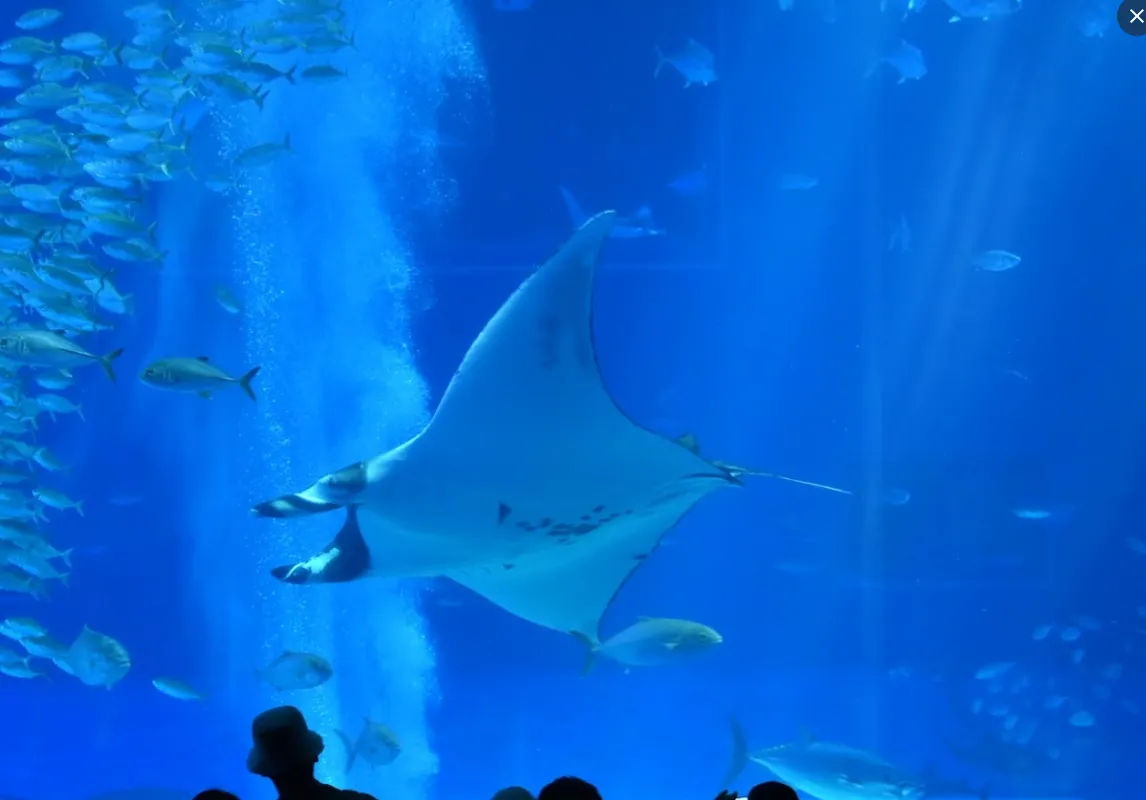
(529, 485)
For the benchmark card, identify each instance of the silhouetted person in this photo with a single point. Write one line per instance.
(514, 793)
(285, 750)
(569, 788)
(772, 790)
(215, 794)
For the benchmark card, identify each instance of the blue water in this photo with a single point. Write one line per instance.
(986, 423)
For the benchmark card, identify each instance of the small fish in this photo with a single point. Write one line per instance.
(376, 745)
(49, 349)
(1136, 544)
(904, 58)
(197, 375)
(18, 628)
(21, 669)
(96, 659)
(994, 670)
(321, 73)
(1031, 513)
(791, 182)
(901, 7)
(1071, 634)
(226, 299)
(296, 671)
(38, 18)
(690, 184)
(693, 61)
(176, 689)
(650, 641)
(262, 154)
(982, 9)
(44, 647)
(1082, 719)
(995, 261)
(1088, 623)
(893, 496)
(1041, 632)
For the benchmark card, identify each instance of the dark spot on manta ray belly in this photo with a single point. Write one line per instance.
(508, 566)
(586, 523)
(503, 512)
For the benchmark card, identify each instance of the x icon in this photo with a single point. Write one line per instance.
(1137, 15)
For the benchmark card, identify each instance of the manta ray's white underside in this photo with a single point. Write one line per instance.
(529, 486)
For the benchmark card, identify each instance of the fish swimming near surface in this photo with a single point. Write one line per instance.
(529, 486)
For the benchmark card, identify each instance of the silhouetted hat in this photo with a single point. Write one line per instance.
(282, 743)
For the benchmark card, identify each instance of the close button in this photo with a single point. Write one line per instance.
(1132, 17)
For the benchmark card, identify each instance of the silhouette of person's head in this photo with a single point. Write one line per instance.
(772, 790)
(284, 747)
(514, 793)
(215, 794)
(569, 788)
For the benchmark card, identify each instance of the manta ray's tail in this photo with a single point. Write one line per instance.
(739, 753)
(689, 442)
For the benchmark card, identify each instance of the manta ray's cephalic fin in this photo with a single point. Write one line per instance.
(346, 558)
(330, 492)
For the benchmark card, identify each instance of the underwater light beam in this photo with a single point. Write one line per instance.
(322, 272)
